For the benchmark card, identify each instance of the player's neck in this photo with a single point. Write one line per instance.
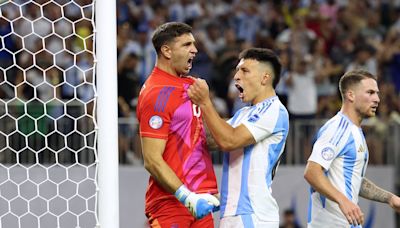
(164, 65)
(352, 114)
(267, 94)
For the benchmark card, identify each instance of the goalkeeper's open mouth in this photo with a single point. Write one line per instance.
(190, 63)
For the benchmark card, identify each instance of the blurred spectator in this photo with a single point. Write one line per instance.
(126, 11)
(282, 88)
(128, 89)
(192, 9)
(203, 66)
(289, 220)
(176, 11)
(290, 9)
(143, 48)
(220, 105)
(298, 36)
(343, 50)
(226, 62)
(376, 130)
(374, 30)
(212, 39)
(302, 100)
(217, 8)
(302, 93)
(128, 80)
(355, 14)
(329, 9)
(364, 59)
(328, 72)
(246, 20)
(124, 38)
(328, 106)
(390, 56)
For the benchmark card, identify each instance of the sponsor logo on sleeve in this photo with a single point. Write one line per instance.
(328, 153)
(155, 122)
(254, 118)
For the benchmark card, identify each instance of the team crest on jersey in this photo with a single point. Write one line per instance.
(327, 153)
(155, 122)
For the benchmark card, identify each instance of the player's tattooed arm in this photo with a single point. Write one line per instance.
(211, 144)
(370, 191)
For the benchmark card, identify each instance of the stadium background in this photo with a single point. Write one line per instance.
(318, 39)
(315, 39)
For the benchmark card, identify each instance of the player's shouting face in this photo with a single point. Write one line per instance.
(250, 77)
(182, 51)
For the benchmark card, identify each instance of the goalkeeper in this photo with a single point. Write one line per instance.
(182, 184)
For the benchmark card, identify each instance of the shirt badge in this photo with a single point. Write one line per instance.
(155, 122)
(327, 153)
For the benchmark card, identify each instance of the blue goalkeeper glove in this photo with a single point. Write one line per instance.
(211, 200)
(199, 205)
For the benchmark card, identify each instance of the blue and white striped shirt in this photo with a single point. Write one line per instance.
(248, 172)
(341, 149)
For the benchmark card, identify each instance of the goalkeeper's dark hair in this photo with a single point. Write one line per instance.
(351, 78)
(266, 56)
(167, 32)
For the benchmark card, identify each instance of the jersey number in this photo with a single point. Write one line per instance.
(196, 110)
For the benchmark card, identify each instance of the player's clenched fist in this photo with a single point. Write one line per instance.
(199, 92)
(199, 205)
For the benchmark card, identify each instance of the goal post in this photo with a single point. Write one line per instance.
(107, 112)
(58, 114)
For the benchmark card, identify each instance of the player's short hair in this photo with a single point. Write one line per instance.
(351, 78)
(168, 32)
(265, 56)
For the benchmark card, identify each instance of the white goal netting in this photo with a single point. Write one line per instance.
(48, 156)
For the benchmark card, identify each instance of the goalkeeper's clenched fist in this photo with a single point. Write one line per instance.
(199, 205)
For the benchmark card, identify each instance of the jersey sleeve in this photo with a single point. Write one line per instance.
(156, 111)
(329, 144)
(265, 122)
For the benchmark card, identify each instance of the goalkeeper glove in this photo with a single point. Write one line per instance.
(199, 205)
(211, 200)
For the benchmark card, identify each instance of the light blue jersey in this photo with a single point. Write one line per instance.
(248, 172)
(341, 149)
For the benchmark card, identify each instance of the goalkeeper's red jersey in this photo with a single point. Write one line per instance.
(165, 111)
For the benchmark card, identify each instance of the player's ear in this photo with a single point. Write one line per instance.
(166, 51)
(266, 78)
(350, 95)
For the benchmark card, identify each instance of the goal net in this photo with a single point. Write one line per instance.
(48, 131)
